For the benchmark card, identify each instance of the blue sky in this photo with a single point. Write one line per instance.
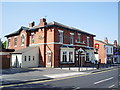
(99, 18)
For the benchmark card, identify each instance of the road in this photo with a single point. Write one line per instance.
(104, 79)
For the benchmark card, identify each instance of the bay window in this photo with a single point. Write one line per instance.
(67, 55)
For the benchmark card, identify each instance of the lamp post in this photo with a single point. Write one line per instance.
(79, 57)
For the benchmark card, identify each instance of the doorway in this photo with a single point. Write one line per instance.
(48, 59)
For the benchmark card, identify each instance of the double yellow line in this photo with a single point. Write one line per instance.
(36, 82)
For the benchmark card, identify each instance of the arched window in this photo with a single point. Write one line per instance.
(22, 39)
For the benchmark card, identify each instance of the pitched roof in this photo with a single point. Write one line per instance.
(51, 24)
(67, 27)
(24, 50)
(18, 31)
(105, 43)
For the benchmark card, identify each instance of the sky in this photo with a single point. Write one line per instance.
(99, 18)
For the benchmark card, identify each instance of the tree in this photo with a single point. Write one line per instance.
(4, 44)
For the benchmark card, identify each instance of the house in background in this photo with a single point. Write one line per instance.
(58, 44)
(104, 50)
(116, 57)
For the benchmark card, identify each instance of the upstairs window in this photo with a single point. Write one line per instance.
(8, 42)
(71, 38)
(79, 35)
(22, 39)
(88, 41)
(32, 37)
(15, 41)
(60, 36)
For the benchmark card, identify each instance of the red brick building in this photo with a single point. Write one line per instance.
(104, 50)
(58, 44)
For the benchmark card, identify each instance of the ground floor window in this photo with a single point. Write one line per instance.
(70, 56)
(67, 56)
(64, 56)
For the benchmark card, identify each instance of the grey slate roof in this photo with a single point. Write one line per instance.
(51, 24)
(69, 28)
(18, 31)
(24, 50)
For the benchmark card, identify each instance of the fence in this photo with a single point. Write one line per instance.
(4, 61)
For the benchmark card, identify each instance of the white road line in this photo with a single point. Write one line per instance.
(103, 80)
(76, 88)
(111, 86)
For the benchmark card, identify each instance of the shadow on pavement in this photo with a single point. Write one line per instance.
(17, 70)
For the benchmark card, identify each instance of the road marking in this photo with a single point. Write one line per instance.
(103, 80)
(111, 86)
(36, 82)
(76, 88)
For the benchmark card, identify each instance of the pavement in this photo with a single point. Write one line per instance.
(23, 75)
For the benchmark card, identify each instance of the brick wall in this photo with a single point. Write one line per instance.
(101, 51)
(18, 46)
(4, 61)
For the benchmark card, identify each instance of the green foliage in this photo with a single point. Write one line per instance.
(4, 44)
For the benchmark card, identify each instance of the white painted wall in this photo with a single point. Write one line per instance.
(97, 57)
(32, 63)
(16, 62)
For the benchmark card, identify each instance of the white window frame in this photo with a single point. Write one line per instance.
(72, 35)
(32, 34)
(79, 37)
(60, 36)
(14, 41)
(88, 41)
(9, 42)
(24, 39)
(67, 50)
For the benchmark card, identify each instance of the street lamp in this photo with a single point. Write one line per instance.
(79, 57)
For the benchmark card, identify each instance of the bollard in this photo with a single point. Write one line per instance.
(69, 66)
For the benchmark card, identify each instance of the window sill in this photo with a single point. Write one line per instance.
(80, 42)
(60, 42)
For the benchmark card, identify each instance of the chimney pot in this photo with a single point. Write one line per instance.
(43, 22)
(32, 24)
(106, 40)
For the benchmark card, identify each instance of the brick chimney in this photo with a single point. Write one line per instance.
(42, 22)
(32, 24)
(115, 43)
(106, 40)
